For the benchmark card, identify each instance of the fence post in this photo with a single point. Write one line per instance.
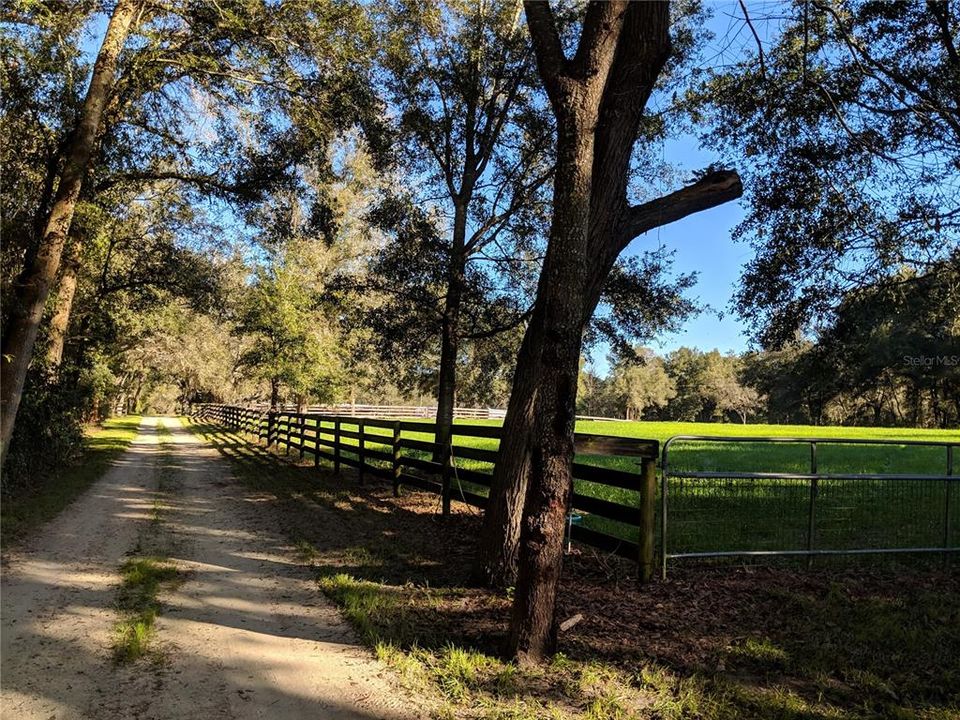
(316, 442)
(648, 500)
(336, 445)
(396, 459)
(446, 472)
(946, 500)
(301, 424)
(271, 427)
(360, 453)
(814, 490)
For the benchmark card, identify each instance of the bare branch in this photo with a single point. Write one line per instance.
(715, 189)
(753, 30)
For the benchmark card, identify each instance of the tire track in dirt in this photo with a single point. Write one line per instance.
(59, 590)
(247, 635)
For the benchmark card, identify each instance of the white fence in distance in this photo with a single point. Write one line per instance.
(406, 411)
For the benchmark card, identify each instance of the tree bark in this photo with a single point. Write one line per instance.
(499, 544)
(532, 634)
(575, 89)
(63, 307)
(450, 336)
(32, 291)
(274, 394)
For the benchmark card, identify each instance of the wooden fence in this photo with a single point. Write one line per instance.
(396, 451)
(405, 412)
(394, 411)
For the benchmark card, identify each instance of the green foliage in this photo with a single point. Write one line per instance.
(41, 88)
(465, 234)
(49, 431)
(640, 385)
(294, 345)
(844, 127)
(687, 384)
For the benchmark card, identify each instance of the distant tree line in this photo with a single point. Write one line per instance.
(891, 357)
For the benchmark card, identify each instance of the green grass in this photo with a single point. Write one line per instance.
(138, 604)
(477, 684)
(723, 514)
(28, 509)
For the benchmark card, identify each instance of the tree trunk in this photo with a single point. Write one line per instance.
(450, 337)
(63, 306)
(612, 224)
(274, 394)
(598, 111)
(498, 548)
(31, 293)
(532, 634)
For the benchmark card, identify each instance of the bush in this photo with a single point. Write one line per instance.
(49, 430)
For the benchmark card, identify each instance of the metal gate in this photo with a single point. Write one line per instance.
(809, 512)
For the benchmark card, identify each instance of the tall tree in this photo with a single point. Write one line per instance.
(469, 123)
(846, 123)
(599, 112)
(723, 386)
(641, 384)
(34, 286)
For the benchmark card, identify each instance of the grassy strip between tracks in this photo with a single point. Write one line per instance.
(147, 572)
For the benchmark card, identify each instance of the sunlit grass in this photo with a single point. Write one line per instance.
(31, 507)
(138, 604)
(734, 514)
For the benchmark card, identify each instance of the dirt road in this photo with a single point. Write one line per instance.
(247, 635)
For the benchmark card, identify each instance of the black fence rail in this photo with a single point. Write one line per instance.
(403, 453)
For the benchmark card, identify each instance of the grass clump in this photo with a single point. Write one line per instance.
(138, 604)
(370, 607)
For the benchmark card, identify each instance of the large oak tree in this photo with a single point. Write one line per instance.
(598, 97)
(39, 274)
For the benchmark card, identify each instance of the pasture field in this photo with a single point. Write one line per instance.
(726, 514)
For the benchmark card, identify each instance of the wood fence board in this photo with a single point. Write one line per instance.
(589, 444)
(607, 476)
(606, 509)
(417, 445)
(471, 453)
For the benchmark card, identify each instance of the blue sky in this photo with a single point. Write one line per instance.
(703, 244)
